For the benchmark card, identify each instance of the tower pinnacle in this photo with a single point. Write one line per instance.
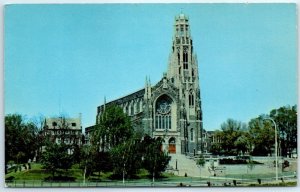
(182, 64)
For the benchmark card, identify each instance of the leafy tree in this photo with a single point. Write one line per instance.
(20, 139)
(286, 120)
(127, 158)
(232, 140)
(262, 136)
(215, 149)
(56, 158)
(39, 121)
(91, 160)
(242, 143)
(201, 161)
(76, 155)
(155, 160)
(114, 128)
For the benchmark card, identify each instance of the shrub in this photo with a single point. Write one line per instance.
(201, 161)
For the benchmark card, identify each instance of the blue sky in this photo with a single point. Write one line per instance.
(67, 58)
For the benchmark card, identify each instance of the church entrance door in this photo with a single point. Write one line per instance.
(172, 145)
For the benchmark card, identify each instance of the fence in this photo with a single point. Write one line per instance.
(193, 182)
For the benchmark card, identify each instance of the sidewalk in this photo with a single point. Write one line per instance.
(188, 166)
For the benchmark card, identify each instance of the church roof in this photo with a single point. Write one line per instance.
(138, 94)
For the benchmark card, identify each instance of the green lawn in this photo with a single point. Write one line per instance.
(37, 173)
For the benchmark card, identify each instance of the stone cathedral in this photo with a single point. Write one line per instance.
(170, 109)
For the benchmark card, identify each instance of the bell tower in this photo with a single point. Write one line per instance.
(182, 62)
(183, 73)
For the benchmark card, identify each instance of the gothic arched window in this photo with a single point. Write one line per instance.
(192, 134)
(163, 112)
(132, 109)
(185, 58)
(137, 107)
(191, 99)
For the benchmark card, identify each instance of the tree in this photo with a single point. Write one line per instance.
(155, 160)
(20, 139)
(127, 158)
(91, 160)
(113, 131)
(242, 143)
(286, 120)
(56, 158)
(201, 161)
(215, 149)
(114, 128)
(261, 135)
(231, 137)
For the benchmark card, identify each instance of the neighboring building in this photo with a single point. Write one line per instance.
(64, 130)
(170, 109)
(206, 141)
(87, 134)
(209, 138)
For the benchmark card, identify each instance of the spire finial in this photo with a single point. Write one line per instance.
(104, 102)
(146, 81)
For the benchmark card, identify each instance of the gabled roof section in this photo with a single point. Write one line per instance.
(62, 123)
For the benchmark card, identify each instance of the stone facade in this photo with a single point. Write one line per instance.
(64, 130)
(170, 109)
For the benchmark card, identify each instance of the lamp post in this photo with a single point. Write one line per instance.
(123, 171)
(87, 152)
(276, 147)
(123, 158)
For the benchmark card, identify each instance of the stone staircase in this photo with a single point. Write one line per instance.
(187, 165)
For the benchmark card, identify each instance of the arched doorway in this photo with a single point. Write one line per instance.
(172, 145)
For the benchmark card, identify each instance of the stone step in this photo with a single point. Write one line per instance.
(185, 165)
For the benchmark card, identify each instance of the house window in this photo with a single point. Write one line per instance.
(73, 124)
(54, 124)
